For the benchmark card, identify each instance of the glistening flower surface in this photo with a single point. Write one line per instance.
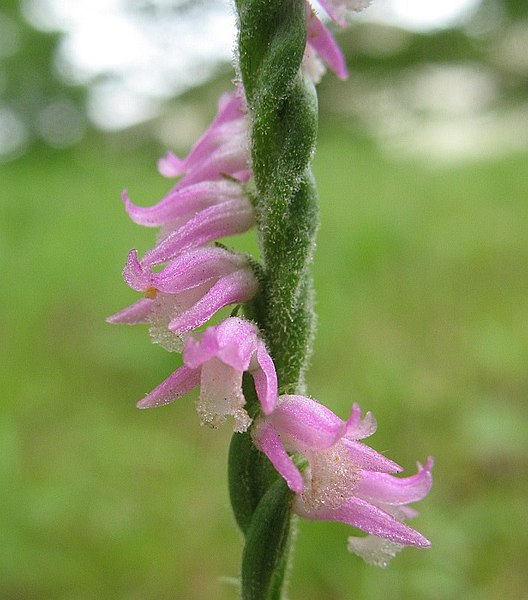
(216, 361)
(343, 479)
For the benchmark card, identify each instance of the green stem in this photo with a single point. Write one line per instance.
(283, 110)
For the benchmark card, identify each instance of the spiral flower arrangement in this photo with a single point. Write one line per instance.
(289, 455)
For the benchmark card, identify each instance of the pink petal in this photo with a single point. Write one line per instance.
(233, 341)
(337, 9)
(226, 160)
(268, 440)
(177, 384)
(230, 107)
(195, 267)
(359, 427)
(136, 277)
(369, 459)
(369, 518)
(227, 218)
(182, 201)
(171, 165)
(265, 378)
(309, 424)
(135, 313)
(237, 341)
(234, 288)
(323, 42)
(381, 487)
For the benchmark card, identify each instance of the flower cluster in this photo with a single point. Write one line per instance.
(187, 277)
(199, 278)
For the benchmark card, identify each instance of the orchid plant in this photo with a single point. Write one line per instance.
(289, 455)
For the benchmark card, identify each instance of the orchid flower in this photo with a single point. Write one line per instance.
(187, 292)
(181, 204)
(321, 48)
(222, 149)
(338, 10)
(217, 361)
(343, 479)
(226, 218)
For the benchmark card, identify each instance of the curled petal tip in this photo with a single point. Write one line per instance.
(134, 274)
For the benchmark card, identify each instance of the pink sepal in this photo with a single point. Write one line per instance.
(360, 513)
(182, 202)
(358, 426)
(387, 489)
(227, 218)
(187, 270)
(177, 384)
(338, 9)
(265, 378)
(133, 314)
(230, 108)
(268, 440)
(367, 458)
(228, 159)
(171, 165)
(309, 424)
(234, 288)
(323, 42)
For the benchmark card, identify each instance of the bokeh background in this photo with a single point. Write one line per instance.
(422, 286)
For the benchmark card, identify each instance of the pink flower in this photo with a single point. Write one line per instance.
(321, 46)
(222, 219)
(181, 204)
(209, 201)
(222, 149)
(339, 9)
(344, 480)
(187, 292)
(217, 361)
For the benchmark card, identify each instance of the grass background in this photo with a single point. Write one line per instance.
(421, 284)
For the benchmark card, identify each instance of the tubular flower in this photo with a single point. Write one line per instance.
(216, 361)
(339, 9)
(344, 479)
(187, 292)
(321, 47)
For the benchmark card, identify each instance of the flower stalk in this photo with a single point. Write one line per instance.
(283, 111)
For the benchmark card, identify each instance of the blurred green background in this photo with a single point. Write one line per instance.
(422, 286)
